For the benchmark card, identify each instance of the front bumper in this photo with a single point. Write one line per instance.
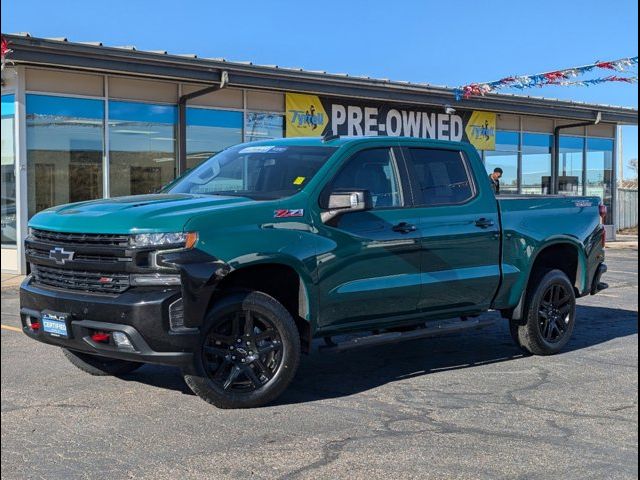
(141, 313)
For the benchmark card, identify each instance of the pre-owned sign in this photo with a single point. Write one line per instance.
(313, 116)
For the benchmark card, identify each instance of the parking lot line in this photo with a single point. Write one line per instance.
(8, 327)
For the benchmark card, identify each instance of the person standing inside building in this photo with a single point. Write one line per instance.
(495, 180)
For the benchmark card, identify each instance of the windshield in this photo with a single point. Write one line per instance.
(261, 172)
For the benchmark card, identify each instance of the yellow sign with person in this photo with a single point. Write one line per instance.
(306, 117)
(481, 130)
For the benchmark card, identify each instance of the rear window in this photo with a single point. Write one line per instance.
(442, 176)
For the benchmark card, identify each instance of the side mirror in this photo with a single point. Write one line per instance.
(348, 201)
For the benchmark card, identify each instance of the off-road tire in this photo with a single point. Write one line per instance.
(100, 366)
(529, 333)
(266, 308)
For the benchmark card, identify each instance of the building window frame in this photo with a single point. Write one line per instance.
(16, 169)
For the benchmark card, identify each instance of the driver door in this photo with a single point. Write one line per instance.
(370, 269)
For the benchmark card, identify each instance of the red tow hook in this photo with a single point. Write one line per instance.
(101, 337)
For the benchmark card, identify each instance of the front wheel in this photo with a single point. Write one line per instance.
(249, 352)
(549, 317)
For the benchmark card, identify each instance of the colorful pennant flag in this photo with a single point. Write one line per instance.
(558, 77)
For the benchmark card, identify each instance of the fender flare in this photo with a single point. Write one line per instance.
(201, 273)
(555, 240)
(307, 297)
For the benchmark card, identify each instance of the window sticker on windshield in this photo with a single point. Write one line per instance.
(257, 149)
(299, 180)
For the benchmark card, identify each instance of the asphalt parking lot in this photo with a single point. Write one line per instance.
(464, 406)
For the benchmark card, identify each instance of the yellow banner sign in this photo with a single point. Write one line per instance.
(311, 116)
(306, 117)
(481, 130)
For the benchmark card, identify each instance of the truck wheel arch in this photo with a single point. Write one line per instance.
(279, 280)
(562, 254)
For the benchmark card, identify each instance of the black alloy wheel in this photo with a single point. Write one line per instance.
(249, 351)
(243, 351)
(554, 313)
(550, 314)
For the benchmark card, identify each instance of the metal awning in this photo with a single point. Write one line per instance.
(95, 57)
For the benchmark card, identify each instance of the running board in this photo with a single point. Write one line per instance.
(432, 330)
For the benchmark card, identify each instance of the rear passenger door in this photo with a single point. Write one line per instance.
(460, 232)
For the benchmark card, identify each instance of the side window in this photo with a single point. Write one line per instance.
(374, 170)
(442, 176)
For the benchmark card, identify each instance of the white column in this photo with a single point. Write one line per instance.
(22, 215)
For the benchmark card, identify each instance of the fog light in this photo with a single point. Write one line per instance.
(122, 341)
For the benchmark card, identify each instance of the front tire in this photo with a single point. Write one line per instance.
(549, 317)
(100, 366)
(249, 352)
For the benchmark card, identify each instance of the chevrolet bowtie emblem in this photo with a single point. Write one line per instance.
(60, 255)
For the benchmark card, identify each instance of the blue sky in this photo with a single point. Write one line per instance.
(447, 42)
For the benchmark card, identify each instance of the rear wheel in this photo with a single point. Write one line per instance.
(249, 353)
(100, 366)
(550, 315)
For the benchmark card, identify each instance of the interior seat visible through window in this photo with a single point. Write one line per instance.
(371, 170)
(441, 176)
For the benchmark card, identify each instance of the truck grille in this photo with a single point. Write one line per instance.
(60, 238)
(36, 253)
(79, 280)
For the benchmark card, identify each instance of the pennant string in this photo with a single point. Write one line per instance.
(557, 77)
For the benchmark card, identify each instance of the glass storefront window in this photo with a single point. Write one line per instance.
(64, 150)
(600, 171)
(8, 218)
(570, 166)
(209, 132)
(536, 163)
(264, 126)
(505, 156)
(142, 147)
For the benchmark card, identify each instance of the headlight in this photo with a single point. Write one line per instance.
(174, 239)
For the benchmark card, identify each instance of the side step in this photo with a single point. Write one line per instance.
(435, 329)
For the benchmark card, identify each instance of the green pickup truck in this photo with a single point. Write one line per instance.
(272, 249)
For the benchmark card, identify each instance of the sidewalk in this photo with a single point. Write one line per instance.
(623, 242)
(11, 280)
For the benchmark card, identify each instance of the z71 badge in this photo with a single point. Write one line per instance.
(299, 212)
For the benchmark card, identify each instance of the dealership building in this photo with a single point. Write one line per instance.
(82, 121)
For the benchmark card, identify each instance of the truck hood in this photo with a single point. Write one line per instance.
(133, 214)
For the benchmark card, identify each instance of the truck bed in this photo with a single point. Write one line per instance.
(530, 221)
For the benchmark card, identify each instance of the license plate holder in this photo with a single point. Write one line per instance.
(55, 324)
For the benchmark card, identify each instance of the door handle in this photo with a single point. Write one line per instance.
(404, 227)
(484, 223)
